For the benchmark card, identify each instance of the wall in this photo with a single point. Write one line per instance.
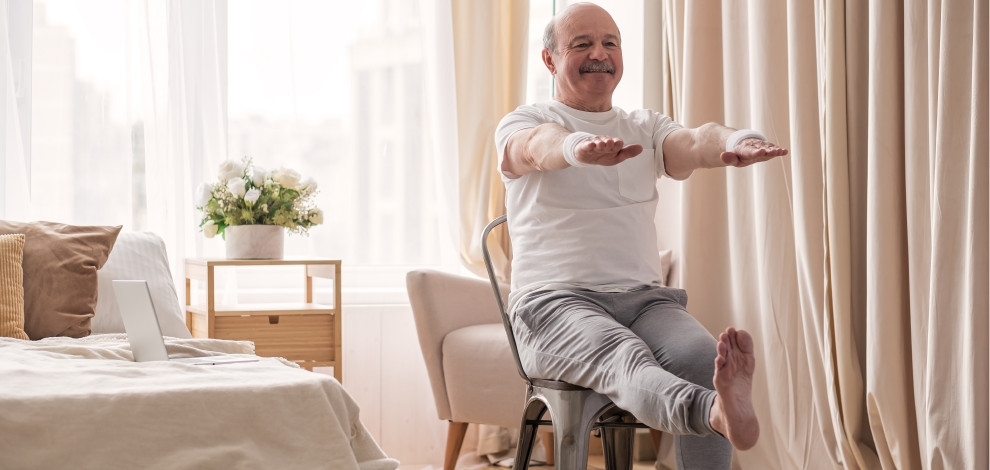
(385, 373)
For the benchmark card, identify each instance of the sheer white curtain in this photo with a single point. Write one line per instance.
(15, 83)
(438, 50)
(184, 68)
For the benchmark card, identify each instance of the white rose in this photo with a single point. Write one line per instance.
(210, 229)
(251, 196)
(259, 176)
(203, 195)
(316, 217)
(308, 184)
(230, 169)
(288, 178)
(237, 187)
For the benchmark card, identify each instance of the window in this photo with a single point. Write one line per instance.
(86, 145)
(343, 104)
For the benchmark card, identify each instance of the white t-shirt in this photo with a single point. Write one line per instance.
(587, 228)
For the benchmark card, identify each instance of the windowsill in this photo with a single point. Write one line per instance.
(362, 285)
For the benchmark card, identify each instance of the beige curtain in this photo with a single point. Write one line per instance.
(859, 262)
(490, 73)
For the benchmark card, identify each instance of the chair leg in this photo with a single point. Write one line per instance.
(547, 437)
(617, 444)
(573, 414)
(527, 433)
(455, 438)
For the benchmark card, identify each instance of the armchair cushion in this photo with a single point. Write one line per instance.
(482, 382)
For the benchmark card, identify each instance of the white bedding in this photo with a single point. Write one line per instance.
(82, 403)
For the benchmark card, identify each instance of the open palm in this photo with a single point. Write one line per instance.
(605, 151)
(751, 151)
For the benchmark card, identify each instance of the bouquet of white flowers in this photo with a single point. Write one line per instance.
(248, 195)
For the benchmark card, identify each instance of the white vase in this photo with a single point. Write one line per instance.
(254, 241)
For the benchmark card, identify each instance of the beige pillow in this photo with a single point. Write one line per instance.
(60, 281)
(12, 286)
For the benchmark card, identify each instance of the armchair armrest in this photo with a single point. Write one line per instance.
(441, 303)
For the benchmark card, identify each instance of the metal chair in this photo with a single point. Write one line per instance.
(574, 411)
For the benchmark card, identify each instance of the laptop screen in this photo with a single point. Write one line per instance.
(140, 320)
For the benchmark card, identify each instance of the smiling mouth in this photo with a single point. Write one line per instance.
(597, 67)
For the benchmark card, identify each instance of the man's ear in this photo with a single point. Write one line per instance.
(548, 61)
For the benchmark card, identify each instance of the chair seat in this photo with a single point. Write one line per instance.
(474, 358)
(556, 385)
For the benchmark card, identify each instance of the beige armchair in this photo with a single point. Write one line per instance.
(467, 354)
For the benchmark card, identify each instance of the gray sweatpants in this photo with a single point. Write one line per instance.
(641, 349)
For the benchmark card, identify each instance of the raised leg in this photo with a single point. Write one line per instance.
(455, 438)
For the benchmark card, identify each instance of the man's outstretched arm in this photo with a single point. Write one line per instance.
(686, 150)
(541, 148)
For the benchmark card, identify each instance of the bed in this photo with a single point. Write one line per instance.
(83, 403)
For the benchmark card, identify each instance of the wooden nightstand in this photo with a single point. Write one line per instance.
(304, 332)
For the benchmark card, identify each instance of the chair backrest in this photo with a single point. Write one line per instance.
(506, 322)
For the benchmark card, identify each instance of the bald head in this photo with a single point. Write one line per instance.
(550, 32)
(583, 51)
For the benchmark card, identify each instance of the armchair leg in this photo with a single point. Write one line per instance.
(657, 437)
(455, 438)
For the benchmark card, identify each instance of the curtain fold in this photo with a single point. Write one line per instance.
(842, 153)
(490, 41)
(185, 108)
(860, 261)
(15, 97)
(957, 415)
(889, 390)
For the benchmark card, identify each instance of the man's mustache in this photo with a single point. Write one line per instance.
(597, 67)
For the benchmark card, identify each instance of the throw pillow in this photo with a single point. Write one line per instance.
(12, 286)
(60, 281)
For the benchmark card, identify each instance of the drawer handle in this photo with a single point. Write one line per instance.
(273, 319)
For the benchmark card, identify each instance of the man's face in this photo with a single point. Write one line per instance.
(588, 59)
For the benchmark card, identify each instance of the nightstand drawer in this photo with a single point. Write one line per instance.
(306, 332)
(294, 337)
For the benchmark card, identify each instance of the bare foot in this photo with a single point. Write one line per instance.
(732, 412)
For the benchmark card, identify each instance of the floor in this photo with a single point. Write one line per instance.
(595, 462)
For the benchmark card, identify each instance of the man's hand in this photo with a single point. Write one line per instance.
(542, 149)
(605, 151)
(751, 151)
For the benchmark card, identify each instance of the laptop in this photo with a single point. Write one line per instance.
(141, 325)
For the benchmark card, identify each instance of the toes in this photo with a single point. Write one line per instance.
(745, 341)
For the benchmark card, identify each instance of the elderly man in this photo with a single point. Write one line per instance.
(588, 302)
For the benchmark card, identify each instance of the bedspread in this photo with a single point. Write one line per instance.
(82, 403)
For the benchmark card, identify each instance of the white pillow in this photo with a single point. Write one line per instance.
(139, 256)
